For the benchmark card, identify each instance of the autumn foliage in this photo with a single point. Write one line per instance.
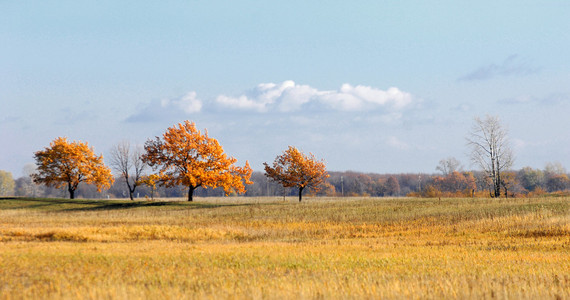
(151, 181)
(69, 163)
(185, 156)
(295, 169)
(455, 184)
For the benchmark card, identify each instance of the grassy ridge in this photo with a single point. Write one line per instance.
(268, 248)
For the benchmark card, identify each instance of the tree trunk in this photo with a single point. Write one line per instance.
(191, 193)
(301, 193)
(71, 192)
(497, 189)
(498, 184)
(131, 189)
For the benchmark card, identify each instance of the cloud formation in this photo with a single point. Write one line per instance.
(285, 97)
(165, 108)
(289, 96)
(188, 104)
(511, 66)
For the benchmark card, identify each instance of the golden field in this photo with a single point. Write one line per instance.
(257, 248)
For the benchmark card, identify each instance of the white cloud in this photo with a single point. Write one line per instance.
(295, 96)
(188, 104)
(365, 97)
(242, 102)
(167, 108)
(289, 96)
(285, 97)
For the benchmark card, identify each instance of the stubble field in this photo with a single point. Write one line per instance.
(258, 248)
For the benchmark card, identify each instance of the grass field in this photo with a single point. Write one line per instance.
(256, 248)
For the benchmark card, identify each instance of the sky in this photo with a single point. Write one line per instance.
(368, 86)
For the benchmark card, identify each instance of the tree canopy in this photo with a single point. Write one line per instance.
(295, 169)
(185, 156)
(70, 163)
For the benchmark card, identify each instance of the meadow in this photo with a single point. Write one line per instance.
(268, 248)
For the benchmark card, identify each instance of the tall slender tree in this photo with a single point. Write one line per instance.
(490, 150)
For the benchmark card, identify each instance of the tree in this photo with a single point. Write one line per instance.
(392, 186)
(554, 168)
(185, 156)
(449, 165)
(508, 182)
(295, 169)
(70, 163)
(490, 150)
(7, 183)
(129, 164)
(558, 182)
(25, 185)
(150, 181)
(455, 183)
(530, 178)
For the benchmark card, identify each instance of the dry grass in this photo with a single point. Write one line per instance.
(267, 248)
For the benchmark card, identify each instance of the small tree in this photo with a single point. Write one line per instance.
(295, 169)
(185, 156)
(449, 165)
(508, 182)
(69, 163)
(129, 164)
(151, 181)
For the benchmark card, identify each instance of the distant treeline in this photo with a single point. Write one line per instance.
(527, 181)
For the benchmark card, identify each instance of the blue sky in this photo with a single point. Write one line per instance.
(372, 86)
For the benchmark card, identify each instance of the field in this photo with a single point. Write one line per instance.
(256, 248)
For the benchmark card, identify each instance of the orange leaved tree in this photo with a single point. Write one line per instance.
(185, 156)
(456, 183)
(295, 169)
(150, 181)
(69, 163)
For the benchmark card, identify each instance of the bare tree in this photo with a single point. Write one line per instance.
(554, 168)
(25, 185)
(490, 150)
(129, 164)
(449, 165)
